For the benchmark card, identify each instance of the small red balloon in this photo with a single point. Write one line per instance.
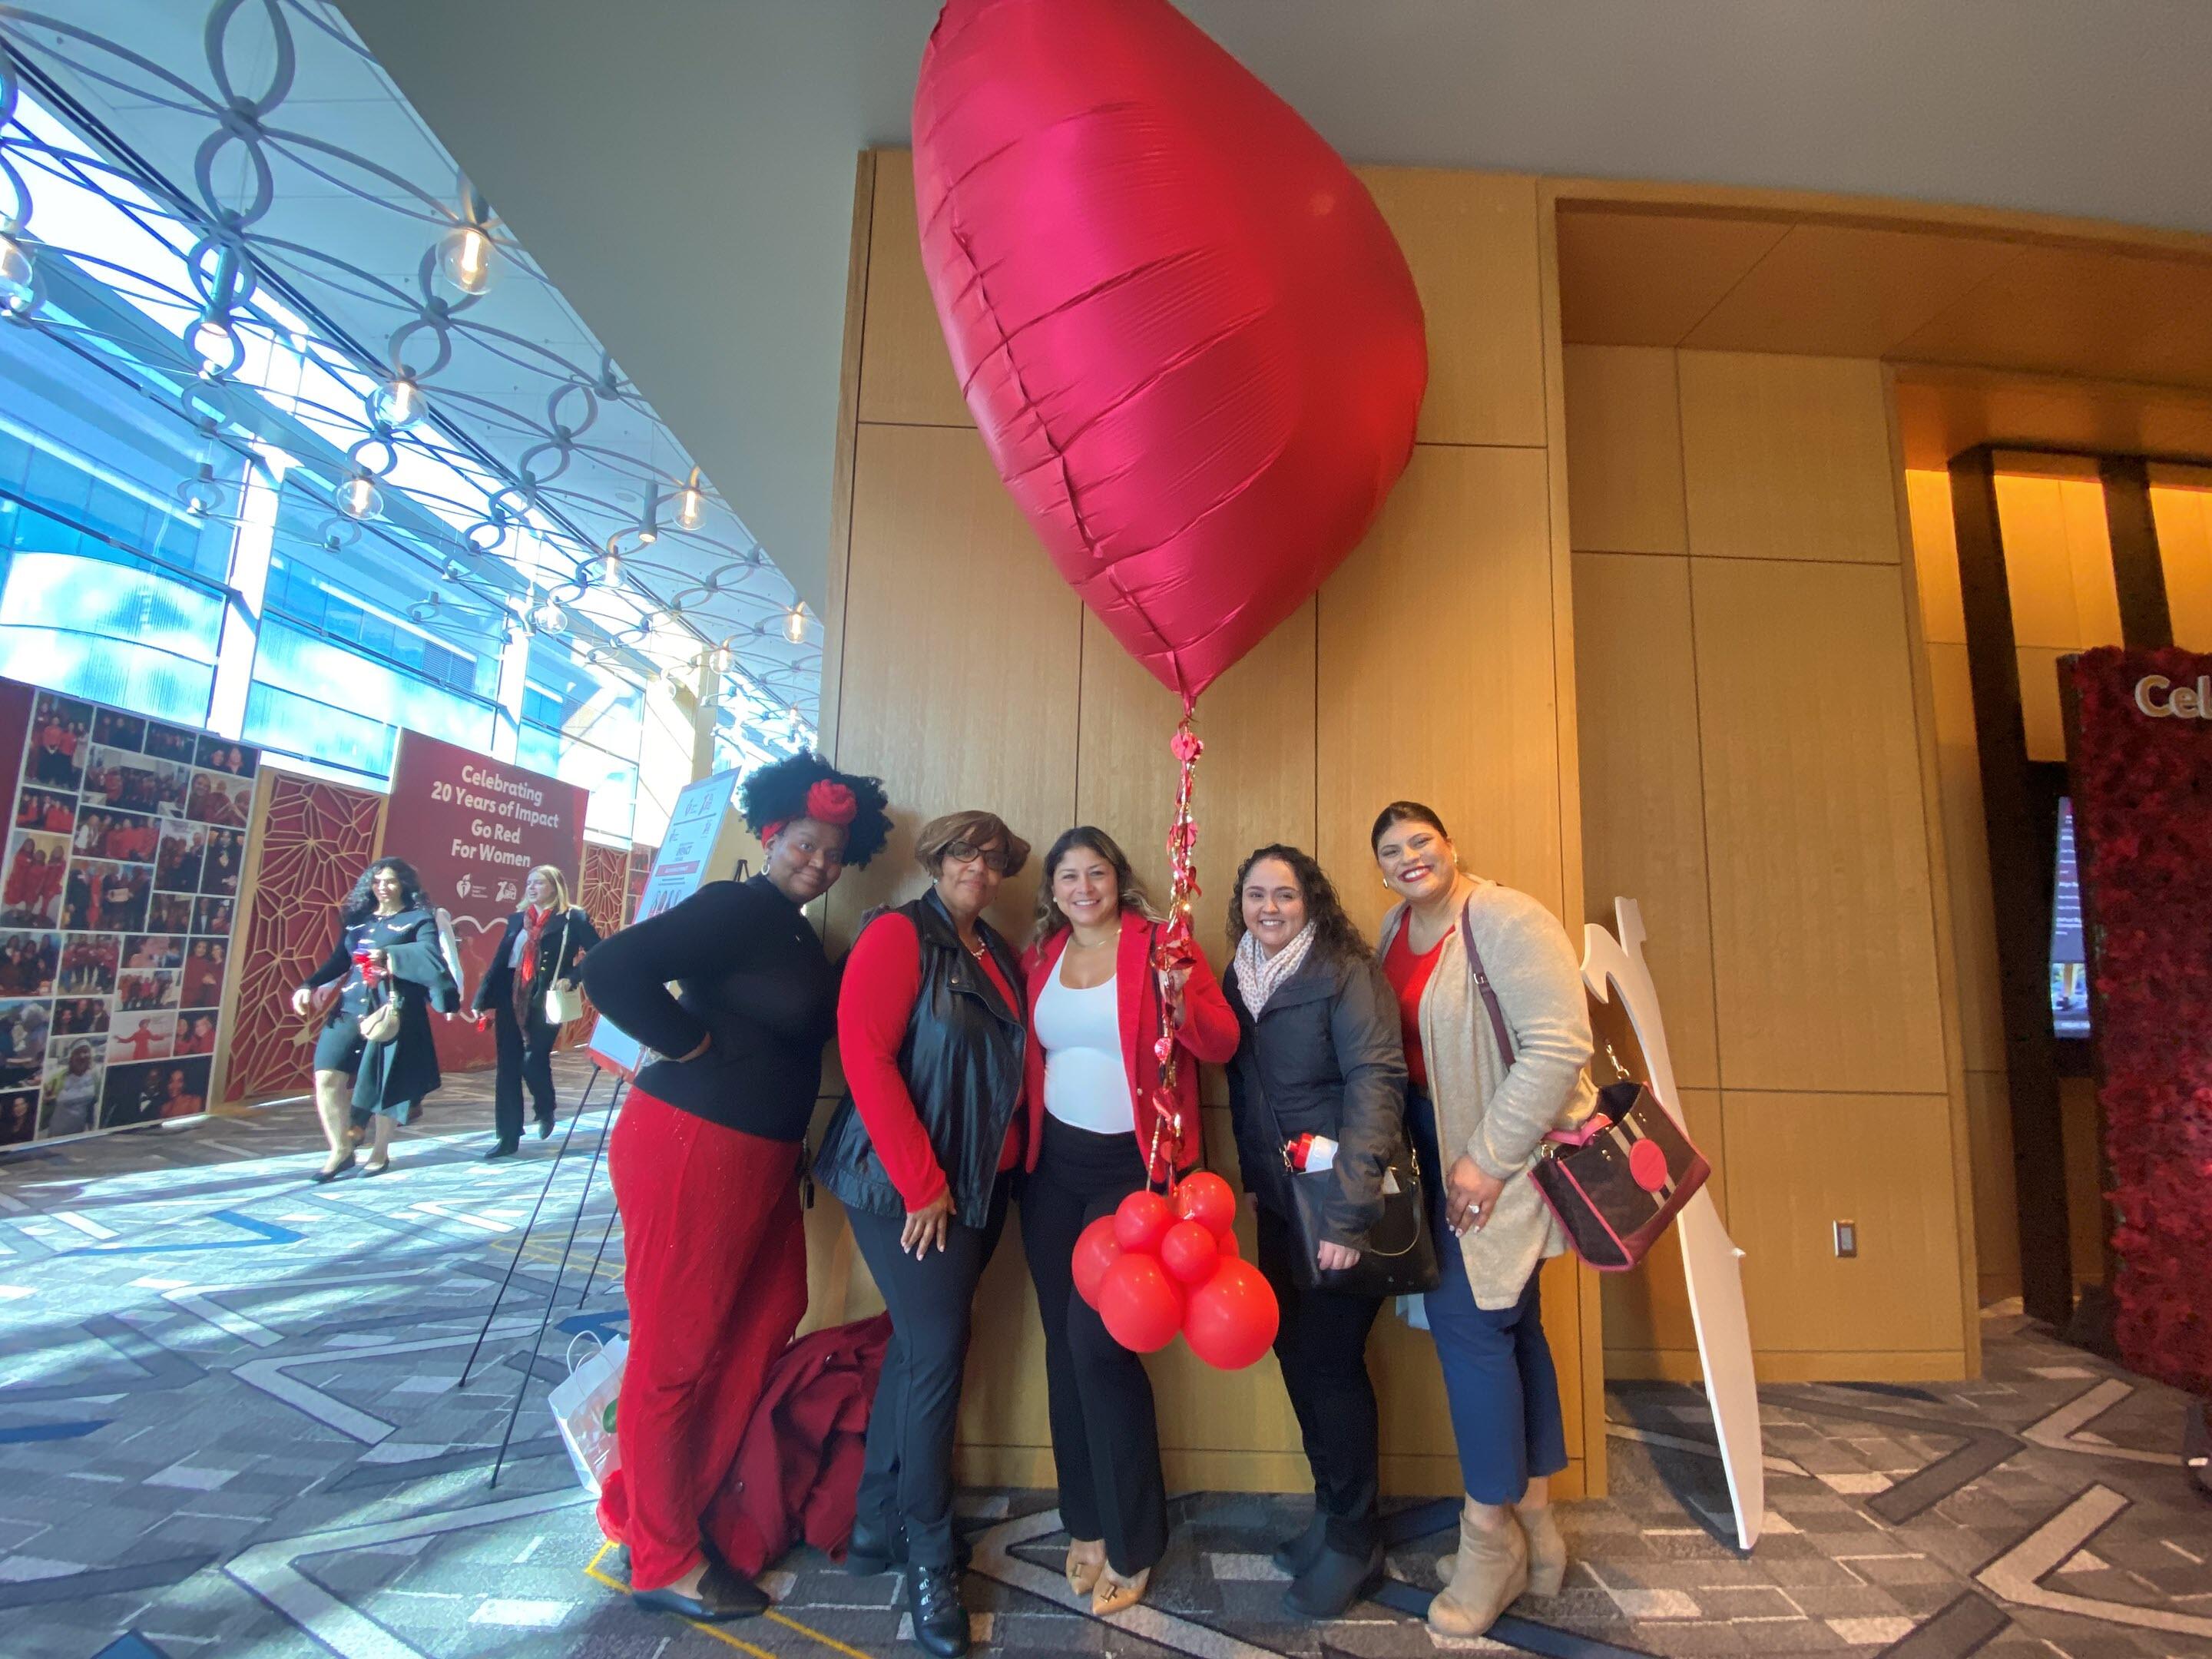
(1096, 1250)
(1189, 1252)
(1230, 1248)
(1141, 1221)
(1208, 1199)
(1232, 1317)
(1141, 1306)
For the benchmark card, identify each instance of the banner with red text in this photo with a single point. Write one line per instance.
(473, 828)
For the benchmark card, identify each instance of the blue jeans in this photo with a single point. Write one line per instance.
(1504, 1393)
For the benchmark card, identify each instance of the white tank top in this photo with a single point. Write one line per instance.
(1085, 1083)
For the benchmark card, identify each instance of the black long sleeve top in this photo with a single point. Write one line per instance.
(750, 973)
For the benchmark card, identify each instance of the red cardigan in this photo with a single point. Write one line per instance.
(1209, 1029)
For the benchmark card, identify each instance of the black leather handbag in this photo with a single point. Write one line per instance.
(1399, 1257)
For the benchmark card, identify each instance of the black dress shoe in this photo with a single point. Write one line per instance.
(545, 1128)
(322, 1177)
(505, 1149)
(1295, 1554)
(1333, 1582)
(940, 1619)
(873, 1548)
(723, 1596)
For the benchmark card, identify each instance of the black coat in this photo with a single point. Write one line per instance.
(1327, 1055)
(961, 1060)
(405, 1068)
(497, 990)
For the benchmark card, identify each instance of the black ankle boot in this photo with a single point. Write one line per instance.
(874, 1547)
(1295, 1553)
(940, 1619)
(1334, 1581)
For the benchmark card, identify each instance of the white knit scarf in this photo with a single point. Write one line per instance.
(1258, 974)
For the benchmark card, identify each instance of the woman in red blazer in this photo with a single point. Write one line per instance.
(1094, 1013)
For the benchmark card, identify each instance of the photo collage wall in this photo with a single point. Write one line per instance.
(118, 892)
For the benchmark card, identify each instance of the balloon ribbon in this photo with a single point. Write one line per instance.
(1175, 950)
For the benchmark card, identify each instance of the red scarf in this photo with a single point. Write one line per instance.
(534, 920)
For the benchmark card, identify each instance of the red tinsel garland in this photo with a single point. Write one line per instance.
(2143, 813)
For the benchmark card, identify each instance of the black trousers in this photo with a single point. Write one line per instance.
(1322, 1345)
(906, 1475)
(1105, 1436)
(524, 1057)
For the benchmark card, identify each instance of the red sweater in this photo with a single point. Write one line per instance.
(882, 977)
(1209, 1030)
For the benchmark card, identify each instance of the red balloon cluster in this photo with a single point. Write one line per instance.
(1154, 1267)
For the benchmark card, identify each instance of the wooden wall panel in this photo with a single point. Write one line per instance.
(2057, 554)
(1787, 1183)
(2181, 508)
(1644, 831)
(1965, 839)
(906, 373)
(1435, 679)
(1823, 929)
(1996, 1204)
(1787, 457)
(1256, 781)
(1935, 557)
(1637, 278)
(1624, 451)
(1470, 239)
(961, 653)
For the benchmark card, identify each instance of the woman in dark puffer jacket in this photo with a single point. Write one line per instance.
(1321, 1055)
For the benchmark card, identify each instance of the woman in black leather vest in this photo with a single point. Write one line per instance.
(923, 1153)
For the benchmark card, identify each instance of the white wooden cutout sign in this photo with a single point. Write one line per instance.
(1614, 967)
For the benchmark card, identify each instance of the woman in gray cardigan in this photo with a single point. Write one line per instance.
(1478, 1110)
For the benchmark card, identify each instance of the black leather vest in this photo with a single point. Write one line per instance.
(961, 1061)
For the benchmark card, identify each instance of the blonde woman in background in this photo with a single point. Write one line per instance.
(543, 942)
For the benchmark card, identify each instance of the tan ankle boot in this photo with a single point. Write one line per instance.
(1489, 1574)
(1547, 1550)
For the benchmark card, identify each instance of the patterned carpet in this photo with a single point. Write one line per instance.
(231, 1423)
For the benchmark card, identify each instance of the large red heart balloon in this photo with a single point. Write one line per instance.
(1191, 343)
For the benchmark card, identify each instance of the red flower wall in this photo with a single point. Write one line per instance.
(2143, 813)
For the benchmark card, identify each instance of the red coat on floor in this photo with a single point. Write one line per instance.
(798, 1471)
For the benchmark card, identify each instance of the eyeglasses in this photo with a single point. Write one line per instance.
(996, 859)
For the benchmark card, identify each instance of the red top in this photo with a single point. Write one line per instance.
(1209, 1029)
(1409, 977)
(882, 977)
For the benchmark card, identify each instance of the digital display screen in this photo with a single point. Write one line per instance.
(2069, 972)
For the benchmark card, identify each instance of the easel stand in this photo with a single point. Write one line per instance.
(575, 1221)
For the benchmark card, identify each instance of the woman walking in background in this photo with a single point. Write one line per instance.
(922, 1154)
(539, 950)
(705, 1158)
(1320, 1056)
(1496, 1043)
(388, 954)
(1095, 1011)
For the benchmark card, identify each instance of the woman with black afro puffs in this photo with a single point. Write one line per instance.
(706, 1164)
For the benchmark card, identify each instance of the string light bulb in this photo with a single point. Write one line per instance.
(691, 503)
(722, 657)
(359, 498)
(795, 623)
(16, 286)
(611, 569)
(217, 345)
(548, 618)
(465, 257)
(399, 402)
(201, 491)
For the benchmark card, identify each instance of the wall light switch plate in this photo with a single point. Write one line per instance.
(1847, 1239)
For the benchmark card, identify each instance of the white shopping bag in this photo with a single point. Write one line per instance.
(584, 1406)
